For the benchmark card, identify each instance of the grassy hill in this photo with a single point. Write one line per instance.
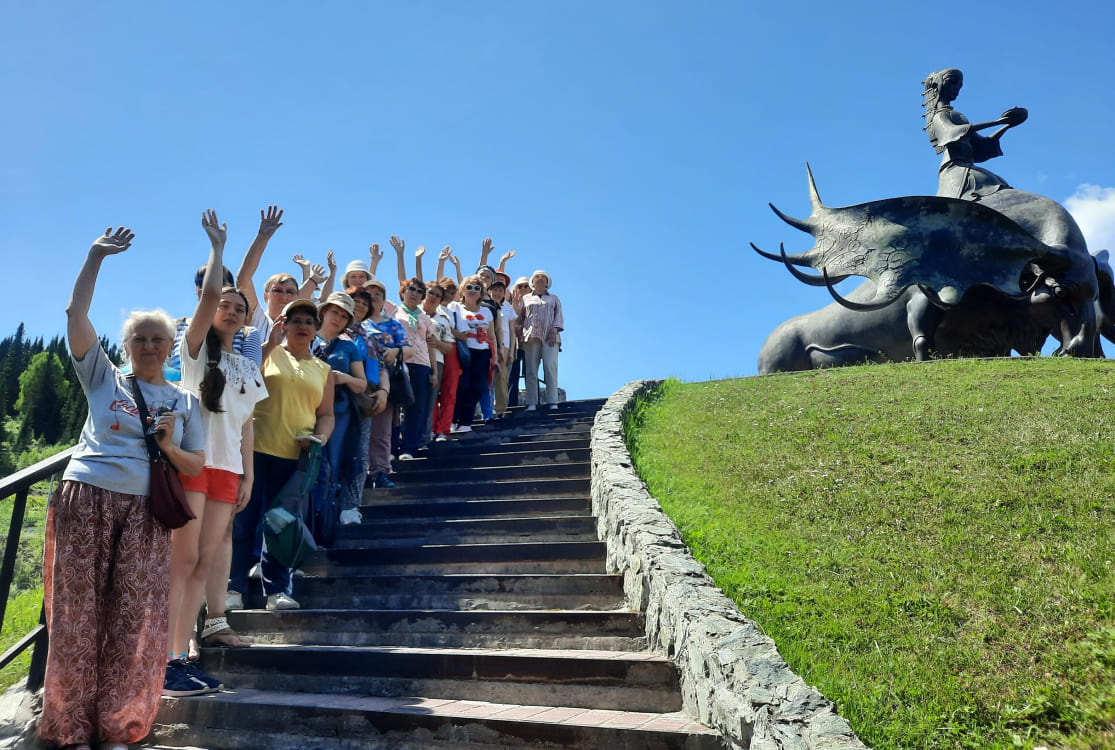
(930, 545)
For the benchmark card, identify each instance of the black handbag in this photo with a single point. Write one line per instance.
(463, 354)
(402, 392)
(167, 496)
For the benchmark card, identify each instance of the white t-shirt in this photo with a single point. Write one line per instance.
(243, 389)
(477, 323)
(261, 321)
(506, 315)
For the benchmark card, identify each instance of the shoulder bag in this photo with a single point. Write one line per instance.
(167, 496)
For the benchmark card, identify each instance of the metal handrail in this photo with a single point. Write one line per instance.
(19, 484)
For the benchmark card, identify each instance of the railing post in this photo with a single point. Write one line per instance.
(37, 672)
(8, 567)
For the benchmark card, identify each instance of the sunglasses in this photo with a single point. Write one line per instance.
(419, 290)
(473, 288)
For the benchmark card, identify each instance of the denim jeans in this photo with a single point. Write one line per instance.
(414, 415)
(271, 473)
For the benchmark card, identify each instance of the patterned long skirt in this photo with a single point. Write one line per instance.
(106, 570)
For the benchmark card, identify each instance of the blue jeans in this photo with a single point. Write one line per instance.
(513, 378)
(271, 473)
(414, 416)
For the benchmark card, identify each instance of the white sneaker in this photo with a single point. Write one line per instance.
(256, 573)
(441, 438)
(553, 407)
(281, 601)
(464, 428)
(234, 600)
(532, 407)
(351, 517)
(406, 457)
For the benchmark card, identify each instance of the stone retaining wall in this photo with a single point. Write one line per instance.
(732, 677)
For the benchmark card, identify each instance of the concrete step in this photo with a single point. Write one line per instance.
(453, 457)
(548, 557)
(556, 629)
(519, 488)
(575, 678)
(431, 509)
(255, 719)
(509, 447)
(411, 531)
(585, 591)
(414, 474)
(483, 434)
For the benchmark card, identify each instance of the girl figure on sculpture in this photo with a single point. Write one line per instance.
(228, 386)
(961, 144)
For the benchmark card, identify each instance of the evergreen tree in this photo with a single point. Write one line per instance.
(42, 393)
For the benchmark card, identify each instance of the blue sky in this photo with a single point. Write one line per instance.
(628, 148)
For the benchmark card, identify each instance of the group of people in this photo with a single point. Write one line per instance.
(232, 398)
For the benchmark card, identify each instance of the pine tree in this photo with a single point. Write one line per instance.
(42, 393)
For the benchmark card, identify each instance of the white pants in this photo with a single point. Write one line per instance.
(533, 352)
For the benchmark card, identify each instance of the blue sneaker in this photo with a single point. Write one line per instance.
(212, 684)
(178, 682)
(382, 481)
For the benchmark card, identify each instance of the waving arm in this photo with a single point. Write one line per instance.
(79, 329)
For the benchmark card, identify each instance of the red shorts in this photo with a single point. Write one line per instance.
(215, 484)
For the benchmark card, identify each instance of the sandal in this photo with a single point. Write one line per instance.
(218, 634)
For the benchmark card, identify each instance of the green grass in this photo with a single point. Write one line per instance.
(26, 596)
(930, 545)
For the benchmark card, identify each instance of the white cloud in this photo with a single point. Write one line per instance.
(1093, 207)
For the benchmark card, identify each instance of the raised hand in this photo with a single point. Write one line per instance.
(1015, 116)
(303, 264)
(398, 244)
(331, 261)
(317, 273)
(217, 232)
(455, 261)
(444, 254)
(486, 246)
(111, 243)
(270, 221)
(420, 252)
(376, 253)
(506, 257)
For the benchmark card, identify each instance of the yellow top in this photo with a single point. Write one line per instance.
(295, 391)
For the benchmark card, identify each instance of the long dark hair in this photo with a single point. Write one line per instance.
(213, 384)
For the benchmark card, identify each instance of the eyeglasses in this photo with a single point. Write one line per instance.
(473, 288)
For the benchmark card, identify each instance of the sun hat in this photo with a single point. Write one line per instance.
(375, 282)
(300, 304)
(540, 272)
(341, 300)
(504, 278)
(356, 265)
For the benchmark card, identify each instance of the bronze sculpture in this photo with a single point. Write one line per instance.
(980, 269)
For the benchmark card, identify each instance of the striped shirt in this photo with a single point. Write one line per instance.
(541, 315)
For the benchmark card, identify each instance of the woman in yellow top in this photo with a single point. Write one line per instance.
(298, 410)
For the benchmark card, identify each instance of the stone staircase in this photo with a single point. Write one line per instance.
(471, 609)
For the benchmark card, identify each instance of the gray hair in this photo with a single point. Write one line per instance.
(162, 317)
